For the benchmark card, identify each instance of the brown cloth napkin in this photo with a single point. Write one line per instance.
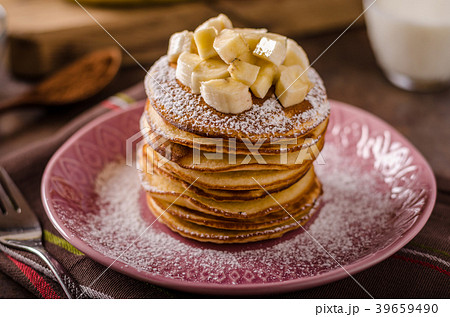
(419, 270)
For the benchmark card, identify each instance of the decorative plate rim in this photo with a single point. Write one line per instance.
(242, 289)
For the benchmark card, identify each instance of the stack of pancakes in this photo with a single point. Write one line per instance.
(224, 178)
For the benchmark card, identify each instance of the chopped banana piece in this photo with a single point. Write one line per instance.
(178, 43)
(194, 49)
(226, 22)
(185, 66)
(277, 37)
(226, 95)
(252, 36)
(250, 30)
(295, 55)
(293, 86)
(252, 39)
(204, 39)
(224, 64)
(219, 22)
(230, 44)
(209, 69)
(244, 72)
(271, 50)
(264, 80)
(279, 70)
(248, 57)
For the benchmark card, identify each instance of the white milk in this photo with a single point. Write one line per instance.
(411, 40)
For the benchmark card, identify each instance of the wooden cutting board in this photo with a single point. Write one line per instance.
(46, 34)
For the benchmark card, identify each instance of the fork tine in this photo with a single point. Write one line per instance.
(16, 196)
(6, 203)
(22, 230)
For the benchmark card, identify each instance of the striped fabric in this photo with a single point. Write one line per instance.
(36, 280)
(60, 242)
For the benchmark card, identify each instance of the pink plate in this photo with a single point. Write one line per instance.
(378, 193)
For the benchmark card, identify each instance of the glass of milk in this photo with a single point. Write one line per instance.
(411, 41)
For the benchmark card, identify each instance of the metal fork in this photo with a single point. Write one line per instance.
(20, 229)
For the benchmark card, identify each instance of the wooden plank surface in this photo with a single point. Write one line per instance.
(293, 17)
(45, 34)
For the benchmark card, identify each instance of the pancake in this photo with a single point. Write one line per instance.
(222, 165)
(147, 166)
(168, 190)
(221, 236)
(270, 146)
(298, 209)
(266, 119)
(217, 194)
(234, 180)
(198, 160)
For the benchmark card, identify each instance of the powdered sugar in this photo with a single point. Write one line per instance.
(354, 217)
(266, 120)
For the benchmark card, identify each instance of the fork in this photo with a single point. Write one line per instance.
(20, 229)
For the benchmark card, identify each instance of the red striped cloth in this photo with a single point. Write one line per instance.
(423, 263)
(36, 280)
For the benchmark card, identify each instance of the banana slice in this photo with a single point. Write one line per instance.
(250, 30)
(244, 72)
(253, 58)
(295, 55)
(293, 86)
(230, 44)
(271, 50)
(219, 22)
(265, 79)
(209, 69)
(180, 42)
(251, 36)
(277, 37)
(226, 95)
(204, 39)
(185, 66)
(278, 74)
(249, 58)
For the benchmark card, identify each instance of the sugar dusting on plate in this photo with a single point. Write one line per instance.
(355, 214)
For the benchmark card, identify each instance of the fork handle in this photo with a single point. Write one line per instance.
(69, 286)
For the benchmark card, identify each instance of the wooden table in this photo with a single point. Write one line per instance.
(350, 74)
